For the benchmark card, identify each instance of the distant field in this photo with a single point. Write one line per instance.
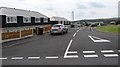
(109, 28)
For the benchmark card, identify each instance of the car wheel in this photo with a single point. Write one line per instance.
(51, 33)
(62, 33)
(67, 31)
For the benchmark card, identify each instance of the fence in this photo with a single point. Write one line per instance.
(8, 36)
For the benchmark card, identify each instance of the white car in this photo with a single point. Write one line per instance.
(58, 28)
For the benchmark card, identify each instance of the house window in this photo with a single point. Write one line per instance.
(27, 20)
(37, 20)
(45, 19)
(11, 19)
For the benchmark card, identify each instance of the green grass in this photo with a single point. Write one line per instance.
(109, 28)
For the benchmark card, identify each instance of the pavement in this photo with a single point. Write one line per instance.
(80, 46)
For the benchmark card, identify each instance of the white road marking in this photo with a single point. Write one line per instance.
(66, 52)
(92, 29)
(74, 35)
(72, 52)
(90, 55)
(3, 58)
(52, 57)
(33, 57)
(77, 30)
(88, 51)
(68, 48)
(71, 56)
(99, 39)
(107, 51)
(118, 50)
(17, 58)
(111, 55)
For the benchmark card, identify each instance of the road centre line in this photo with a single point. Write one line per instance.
(17, 58)
(111, 55)
(77, 30)
(74, 35)
(88, 51)
(90, 55)
(107, 51)
(33, 57)
(56, 57)
(3, 58)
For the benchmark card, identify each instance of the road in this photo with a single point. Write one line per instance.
(80, 46)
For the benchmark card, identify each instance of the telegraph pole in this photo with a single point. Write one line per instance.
(72, 15)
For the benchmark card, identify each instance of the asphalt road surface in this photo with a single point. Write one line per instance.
(80, 46)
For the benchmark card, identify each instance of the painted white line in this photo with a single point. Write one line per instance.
(3, 58)
(71, 56)
(73, 52)
(99, 39)
(88, 51)
(91, 38)
(107, 51)
(92, 29)
(77, 30)
(118, 50)
(52, 57)
(111, 55)
(102, 41)
(90, 55)
(68, 48)
(66, 52)
(74, 35)
(33, 57)
(17, 58)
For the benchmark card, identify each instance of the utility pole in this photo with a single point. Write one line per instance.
(72, 15)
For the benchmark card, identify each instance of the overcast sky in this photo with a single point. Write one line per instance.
(83, 9)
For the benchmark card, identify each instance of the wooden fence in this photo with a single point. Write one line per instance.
(10, 35)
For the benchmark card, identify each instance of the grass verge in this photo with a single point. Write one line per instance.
(110, 28)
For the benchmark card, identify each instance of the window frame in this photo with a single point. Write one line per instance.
(12, 19)
(26, 18)
(45, 20)
(39, 21)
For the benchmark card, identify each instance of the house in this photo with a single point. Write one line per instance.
(18, 23)
(61, 20)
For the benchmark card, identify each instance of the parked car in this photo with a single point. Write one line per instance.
(93, 25)
(58, 28)
(72, 25)
(79, 25)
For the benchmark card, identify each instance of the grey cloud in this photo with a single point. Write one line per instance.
(82, 6)
(93, 13)
(80, 14)
(97, 5)
(50, 9)
(20, 0)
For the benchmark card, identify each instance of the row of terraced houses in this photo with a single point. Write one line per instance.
(17, 23)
